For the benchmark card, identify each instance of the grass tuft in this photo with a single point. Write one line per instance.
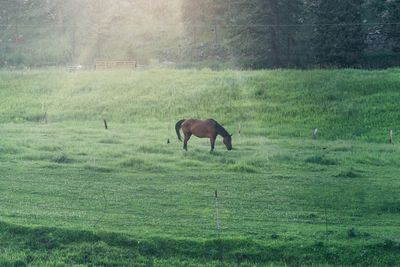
(321, 160)
(62, 159)
(352, 173)
(242, 168)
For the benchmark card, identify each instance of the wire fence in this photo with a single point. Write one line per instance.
(206, 216)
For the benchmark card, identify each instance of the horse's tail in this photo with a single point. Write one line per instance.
(177, 128)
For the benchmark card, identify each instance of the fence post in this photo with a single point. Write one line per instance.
(217, 214)
(105, 124)
(314, 133)
(391, 136)
(168, 130)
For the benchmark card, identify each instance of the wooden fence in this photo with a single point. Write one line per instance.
(115, 64)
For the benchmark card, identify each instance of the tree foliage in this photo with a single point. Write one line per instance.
(339, 33)
(244, 33)
(300, 33)
(392, 18)
(264, 33)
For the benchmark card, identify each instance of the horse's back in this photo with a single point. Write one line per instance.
(199, 122)
(200, 128)
(212, 121)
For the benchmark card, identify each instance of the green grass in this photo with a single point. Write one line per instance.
(73, 193)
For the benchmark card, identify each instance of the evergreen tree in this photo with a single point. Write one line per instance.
(339, 34)
(393, 24)
(256, 33)
(268, 33)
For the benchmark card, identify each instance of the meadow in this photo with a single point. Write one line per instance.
(74, 193)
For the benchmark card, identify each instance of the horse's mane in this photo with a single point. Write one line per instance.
(221, 130)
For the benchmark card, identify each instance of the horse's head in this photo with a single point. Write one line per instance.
(228, 142)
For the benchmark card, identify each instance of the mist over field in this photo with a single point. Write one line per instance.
(48, 33)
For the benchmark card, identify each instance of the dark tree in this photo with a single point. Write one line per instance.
(392, 18)
(267, 32)
(339, 34)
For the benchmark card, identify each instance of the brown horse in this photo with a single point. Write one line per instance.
(203, 129)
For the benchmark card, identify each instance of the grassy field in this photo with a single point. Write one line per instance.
(73, 193)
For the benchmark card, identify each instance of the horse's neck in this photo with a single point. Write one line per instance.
(221, 131)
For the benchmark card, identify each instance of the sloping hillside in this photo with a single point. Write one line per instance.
(342, 104)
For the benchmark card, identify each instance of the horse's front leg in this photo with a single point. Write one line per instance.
(187, 137)
(212, 141)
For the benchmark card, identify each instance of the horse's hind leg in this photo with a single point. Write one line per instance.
(187, 137)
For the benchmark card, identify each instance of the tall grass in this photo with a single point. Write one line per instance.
(342, 104)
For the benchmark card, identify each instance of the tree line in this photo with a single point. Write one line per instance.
(234, 33)
(294, 33)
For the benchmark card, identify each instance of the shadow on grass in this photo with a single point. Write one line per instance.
(110, 249)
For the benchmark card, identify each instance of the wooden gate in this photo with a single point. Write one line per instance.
(115, 64)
